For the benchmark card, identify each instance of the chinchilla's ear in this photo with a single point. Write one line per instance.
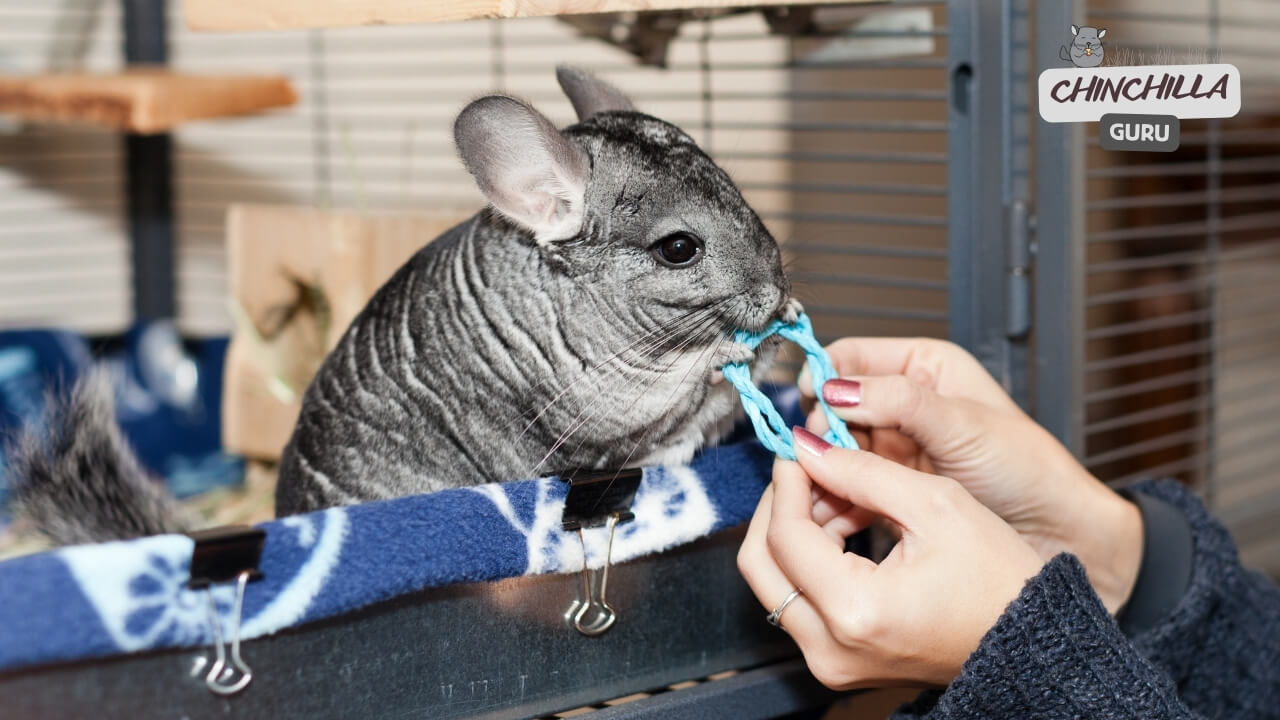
(1075, 30)
(589, 94)
(1102, 33)
(524, 166)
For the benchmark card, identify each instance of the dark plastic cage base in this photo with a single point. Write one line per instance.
(491, 650)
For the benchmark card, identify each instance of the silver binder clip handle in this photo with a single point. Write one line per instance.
(220, 674)
(604, 616)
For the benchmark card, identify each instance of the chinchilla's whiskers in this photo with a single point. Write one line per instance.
(672, 330)
(656, 373)
(645, 339)
(679, 324)
(706, 318)
(632, 342)
(670, 399)
(683, 332)
(589, 411)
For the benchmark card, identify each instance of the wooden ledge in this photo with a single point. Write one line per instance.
(224, 15)
(141, 100)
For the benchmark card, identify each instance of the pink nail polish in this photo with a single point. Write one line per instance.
(842, 393)
(810, 442)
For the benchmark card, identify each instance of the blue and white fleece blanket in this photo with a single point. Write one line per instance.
(99, 600)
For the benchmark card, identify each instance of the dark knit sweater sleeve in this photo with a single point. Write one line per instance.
(1057, 653)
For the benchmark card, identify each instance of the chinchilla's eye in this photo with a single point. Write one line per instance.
(678, 250)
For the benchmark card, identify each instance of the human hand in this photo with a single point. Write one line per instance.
(930, 405)
(912, 619)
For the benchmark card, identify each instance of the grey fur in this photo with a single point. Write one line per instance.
(588, 95)
(77, 481)
(1086, 49)
(545, 336)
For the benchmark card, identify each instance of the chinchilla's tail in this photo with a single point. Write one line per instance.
(76, 479)
(1062, 53)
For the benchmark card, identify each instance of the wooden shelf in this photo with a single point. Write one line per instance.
(223, 15)
(140, 100)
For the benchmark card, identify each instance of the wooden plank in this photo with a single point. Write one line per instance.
(141, 100)
(225, 15)
(299, 276)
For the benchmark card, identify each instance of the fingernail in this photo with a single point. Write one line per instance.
(810, 442)
(842, 393)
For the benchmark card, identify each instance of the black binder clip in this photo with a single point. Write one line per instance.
(597, 497)
(225, 554)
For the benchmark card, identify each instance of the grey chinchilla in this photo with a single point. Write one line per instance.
(578, 321)
(1086, 49)
(575, 323)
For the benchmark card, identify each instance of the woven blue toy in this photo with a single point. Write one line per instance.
(769, 426)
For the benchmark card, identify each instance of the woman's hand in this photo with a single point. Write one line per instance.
(915, 617)
(930, 405)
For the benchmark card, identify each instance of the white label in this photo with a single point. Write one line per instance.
(1184, 91)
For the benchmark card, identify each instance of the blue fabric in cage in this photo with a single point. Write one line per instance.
(98, 600)
(167, 394)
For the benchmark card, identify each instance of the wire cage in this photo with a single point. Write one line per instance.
(1182, 254)
(842, 152)
(62, 189)
(1127, 300)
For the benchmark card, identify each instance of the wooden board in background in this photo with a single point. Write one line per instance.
(141, 100)
(299, 276)
(223, 15)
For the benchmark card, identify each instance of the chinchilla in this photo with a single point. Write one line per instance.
(576, 323)
(1086, 49)
(579, 321)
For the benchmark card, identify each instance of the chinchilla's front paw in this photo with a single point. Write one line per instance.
(729, 353)
(791, 311)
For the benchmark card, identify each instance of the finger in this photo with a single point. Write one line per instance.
(759, 523)
(816, 422)
(828, 506)
(866, 356)
(892, 444)
(804, 552)
(807, 404)
(897, 402)
(754, 561)
(852, 521)
(875, 356)
(805, 381)
(938, 364)
(771, 586)
(864, 479)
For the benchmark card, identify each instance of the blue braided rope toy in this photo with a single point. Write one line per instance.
(769, 426)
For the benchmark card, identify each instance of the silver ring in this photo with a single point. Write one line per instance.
(775, 617)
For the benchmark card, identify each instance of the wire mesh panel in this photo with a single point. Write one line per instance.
(1182, 307)
(837, 137)
(867, 158)
(64, 253)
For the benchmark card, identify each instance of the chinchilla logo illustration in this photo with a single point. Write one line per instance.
(1086, 49)
(1139, 106)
